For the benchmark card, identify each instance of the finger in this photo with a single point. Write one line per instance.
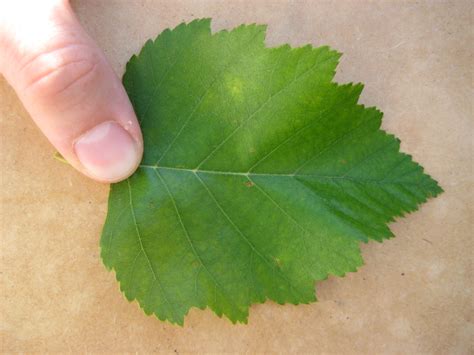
(69, 89)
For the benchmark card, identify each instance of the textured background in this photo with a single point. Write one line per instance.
(413, 295)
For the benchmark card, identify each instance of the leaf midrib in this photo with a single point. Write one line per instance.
(292, 175)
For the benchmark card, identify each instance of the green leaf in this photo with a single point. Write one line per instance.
(260, 175)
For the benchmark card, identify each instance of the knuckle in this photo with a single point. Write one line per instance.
(68, 71)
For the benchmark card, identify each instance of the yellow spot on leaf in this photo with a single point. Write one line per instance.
(235, 86)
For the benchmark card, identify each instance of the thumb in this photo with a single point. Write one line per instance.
(69, 89)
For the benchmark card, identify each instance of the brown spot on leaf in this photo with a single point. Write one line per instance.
(249, 183)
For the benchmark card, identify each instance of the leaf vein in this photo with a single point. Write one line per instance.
(197, 105)
(244, 237)
(190, 242)
(142, 247)
(269, 99)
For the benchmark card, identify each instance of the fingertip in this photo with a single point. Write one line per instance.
(108, 153)
(72, 93)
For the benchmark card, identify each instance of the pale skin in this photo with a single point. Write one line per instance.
(67, 86)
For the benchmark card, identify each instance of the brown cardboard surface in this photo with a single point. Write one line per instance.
(414, 293)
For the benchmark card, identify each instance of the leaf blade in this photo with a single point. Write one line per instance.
(260, 175)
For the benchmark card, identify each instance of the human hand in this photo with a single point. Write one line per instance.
(66, 84)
